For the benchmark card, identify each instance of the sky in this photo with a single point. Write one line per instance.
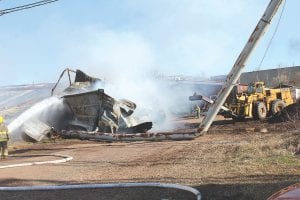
(109, 39)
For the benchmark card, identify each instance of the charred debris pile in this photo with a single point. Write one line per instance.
(91, 114)
(91, 109)
(291, 113)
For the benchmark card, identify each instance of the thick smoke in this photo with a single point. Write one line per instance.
(127, 64)
(157, 100)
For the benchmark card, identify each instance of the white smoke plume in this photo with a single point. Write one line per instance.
(127, 63)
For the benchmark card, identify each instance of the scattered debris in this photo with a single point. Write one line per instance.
(133, 136)
(290, 113)
(35, 129)
(87, 109)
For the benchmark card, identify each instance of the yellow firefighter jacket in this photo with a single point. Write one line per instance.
(3, 133)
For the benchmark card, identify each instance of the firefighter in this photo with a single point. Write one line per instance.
(3, 138)
(197, 111)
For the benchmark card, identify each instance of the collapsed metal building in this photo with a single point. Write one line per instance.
(89, 113)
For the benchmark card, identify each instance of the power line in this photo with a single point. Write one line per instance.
(27, 6)
(274, 33)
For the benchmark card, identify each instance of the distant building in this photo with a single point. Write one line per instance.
(272, 77)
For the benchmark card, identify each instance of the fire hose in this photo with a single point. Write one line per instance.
(195, 192)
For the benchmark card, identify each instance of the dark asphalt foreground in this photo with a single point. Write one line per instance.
(137, 193)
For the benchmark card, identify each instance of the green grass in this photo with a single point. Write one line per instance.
(288, 160)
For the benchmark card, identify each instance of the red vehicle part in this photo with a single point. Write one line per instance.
(289, 193)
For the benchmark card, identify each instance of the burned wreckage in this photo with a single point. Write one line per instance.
(94, 110)
(90, 113)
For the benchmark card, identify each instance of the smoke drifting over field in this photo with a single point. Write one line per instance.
(126, 62)
(127, 65)
(156, 100)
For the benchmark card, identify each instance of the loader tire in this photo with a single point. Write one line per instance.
(277, 105)
(259, 111)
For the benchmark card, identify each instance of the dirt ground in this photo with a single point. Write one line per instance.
(235, 160)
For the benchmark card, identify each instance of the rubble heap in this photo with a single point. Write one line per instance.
(290, 113)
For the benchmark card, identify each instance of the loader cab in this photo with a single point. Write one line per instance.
(251, 88)
(259, 87)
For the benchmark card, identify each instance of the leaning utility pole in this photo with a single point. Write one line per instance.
(238, 66)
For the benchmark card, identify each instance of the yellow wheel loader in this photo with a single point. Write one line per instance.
(258, 101)
(254, 101)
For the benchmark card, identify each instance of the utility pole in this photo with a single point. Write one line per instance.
(239, 65)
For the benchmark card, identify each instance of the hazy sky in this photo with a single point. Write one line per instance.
(104, 38)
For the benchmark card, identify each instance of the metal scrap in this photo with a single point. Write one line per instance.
(290, 113)
(147, 136)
